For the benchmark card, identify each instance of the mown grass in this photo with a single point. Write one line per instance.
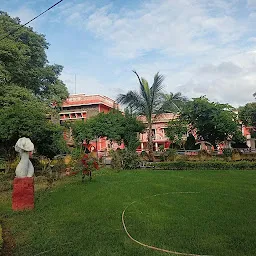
(75, 218)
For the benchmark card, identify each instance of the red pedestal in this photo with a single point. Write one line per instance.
(23, 194)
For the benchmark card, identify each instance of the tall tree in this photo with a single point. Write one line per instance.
(28, 86)
(132, 128)
(146, 102)
(176, 131)
(173, 102)
(23, 61)
(247, 114)
(22, 114)
(190, 143)
(214, 122)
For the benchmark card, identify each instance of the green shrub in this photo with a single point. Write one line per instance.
(130, 160)
(204, 155)
(144, 155)
(206, 165)
(124, 159)
(164, 155)
(227, 152)
(5, 185)
(248, 156)
(190, 143)
(116, 161)
(2, 163)
(77, 153)
(7, 176)
(170, 154)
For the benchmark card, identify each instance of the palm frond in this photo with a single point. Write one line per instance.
(155, 90)
(131, 99)
(173, 102)
(145, 91)
(144, 88)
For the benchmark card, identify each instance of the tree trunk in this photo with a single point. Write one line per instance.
(150, 143)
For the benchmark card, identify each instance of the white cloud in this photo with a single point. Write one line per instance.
(199, 42)
(251, 3)
(233, 81)
(73, 13)
(171, 27)
(24, 13)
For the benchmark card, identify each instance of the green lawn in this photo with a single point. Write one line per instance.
(85, 219)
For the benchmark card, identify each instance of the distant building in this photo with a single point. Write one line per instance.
(82, 107)
(248, 132)
(159, 125)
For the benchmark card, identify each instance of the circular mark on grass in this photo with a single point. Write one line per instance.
(150, 246)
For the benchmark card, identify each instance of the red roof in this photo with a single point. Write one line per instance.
(82, 99)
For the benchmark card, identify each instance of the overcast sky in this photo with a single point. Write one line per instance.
(202, 47)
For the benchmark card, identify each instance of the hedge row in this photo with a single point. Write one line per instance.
(205, 165)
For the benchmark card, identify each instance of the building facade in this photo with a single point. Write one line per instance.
(248, 134)
(82, 107)
(159, 126)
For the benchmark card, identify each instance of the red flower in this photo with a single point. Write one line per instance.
(96, 165)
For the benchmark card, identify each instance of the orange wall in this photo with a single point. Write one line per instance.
(104, 108)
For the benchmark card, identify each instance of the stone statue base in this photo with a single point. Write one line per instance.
(23, 194)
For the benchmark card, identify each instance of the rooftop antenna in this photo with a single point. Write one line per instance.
(75, 83)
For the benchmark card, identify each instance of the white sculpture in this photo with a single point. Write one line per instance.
(25, 167)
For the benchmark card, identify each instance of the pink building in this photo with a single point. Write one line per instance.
(246, 131)
(81, 107)
(160, 123)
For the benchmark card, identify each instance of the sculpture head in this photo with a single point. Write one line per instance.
(25, 168)
(24, 144)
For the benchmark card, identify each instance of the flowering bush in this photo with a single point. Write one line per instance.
(90, 164)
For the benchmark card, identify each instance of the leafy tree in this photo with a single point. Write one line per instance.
(132, 127)
(238, 140)
(110, 125)
(214, 122)
(113, 125)
(28, 86)
(176, 130)
(23, 61)
(173, 102)
(81, 131)
(147, 102)
(23, 115)
(190, 142)
(49, 140)
(247, 114)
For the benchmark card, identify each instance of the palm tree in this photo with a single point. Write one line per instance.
(147, 102)
(173, 102)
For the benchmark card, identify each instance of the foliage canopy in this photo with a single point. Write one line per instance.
(28, 87)
(214, 122)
